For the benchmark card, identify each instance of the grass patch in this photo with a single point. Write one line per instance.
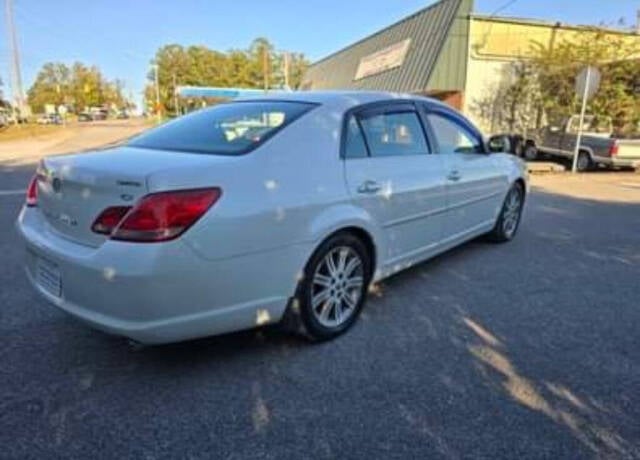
(31, 130)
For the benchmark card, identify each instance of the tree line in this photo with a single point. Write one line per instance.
(77, 87)
(260, 66)
(80, 86)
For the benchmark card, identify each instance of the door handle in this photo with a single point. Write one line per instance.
(369, 186)
(454, 176)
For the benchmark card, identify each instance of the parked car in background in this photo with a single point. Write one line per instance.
(85, 116)
(50, 119)
(599, 146)
(98, 113)
(8, 117)
(279, 207)
(17, 118)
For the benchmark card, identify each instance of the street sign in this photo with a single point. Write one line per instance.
(62, 110)
(587, 82)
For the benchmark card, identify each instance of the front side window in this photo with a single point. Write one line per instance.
(394, 134)
(453, 137)
(226, 129)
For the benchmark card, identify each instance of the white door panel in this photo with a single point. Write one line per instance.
(475, 195)
(476, 184)
(391, 174)
(405, 196)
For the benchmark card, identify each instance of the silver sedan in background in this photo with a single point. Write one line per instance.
(286, 206)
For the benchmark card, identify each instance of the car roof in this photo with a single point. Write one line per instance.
(337, 98)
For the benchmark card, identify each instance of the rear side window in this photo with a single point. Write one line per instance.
(355, 147)
(226, 129)
(394, 134)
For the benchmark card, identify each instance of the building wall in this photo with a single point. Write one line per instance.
(484, 80)
(449, 73)
(495, 44)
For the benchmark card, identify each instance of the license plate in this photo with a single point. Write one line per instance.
(48, 277)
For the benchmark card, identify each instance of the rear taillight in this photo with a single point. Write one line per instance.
(613, 150)
(157, 217)
(109, 219)
(32, 192)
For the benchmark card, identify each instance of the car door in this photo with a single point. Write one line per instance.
(391, 173)
(475, 184)
(552, 138)
(567, 143)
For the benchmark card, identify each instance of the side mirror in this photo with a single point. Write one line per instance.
(554, 129)
(499, 144)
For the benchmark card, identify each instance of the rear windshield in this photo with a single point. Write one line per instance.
(226, 129)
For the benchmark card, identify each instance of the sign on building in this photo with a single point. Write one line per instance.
(385, 59)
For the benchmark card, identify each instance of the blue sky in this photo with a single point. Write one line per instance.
(121, 36)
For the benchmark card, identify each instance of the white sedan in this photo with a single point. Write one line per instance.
(250, 212)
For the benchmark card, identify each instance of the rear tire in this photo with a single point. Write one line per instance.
(508, 221)
(584, 162)
(530, 152)
(333, 290)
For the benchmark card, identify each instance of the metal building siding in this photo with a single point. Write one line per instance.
(428, 30)
(450, 69)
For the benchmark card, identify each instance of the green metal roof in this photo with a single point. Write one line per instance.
(435, 59)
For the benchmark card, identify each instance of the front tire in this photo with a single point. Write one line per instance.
(508, 221)
(332, 292)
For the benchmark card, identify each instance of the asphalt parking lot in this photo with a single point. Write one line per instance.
(524, 350)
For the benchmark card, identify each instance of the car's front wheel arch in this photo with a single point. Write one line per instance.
(299, 316)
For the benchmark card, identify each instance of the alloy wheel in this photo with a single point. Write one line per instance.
(337, 286)
(512, 209)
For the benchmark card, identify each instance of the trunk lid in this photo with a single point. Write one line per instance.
(74, 189)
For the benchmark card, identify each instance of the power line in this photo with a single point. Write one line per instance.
(503, 7)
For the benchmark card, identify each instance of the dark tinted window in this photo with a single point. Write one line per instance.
(355, 146)
(453, 137)
(226, 129)
(394, 134)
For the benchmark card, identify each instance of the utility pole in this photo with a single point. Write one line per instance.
(285, 69)
(176, 107)
(265, 67)
(16, 75)
(158, 112)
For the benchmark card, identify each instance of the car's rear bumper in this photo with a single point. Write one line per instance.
(156, 293)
